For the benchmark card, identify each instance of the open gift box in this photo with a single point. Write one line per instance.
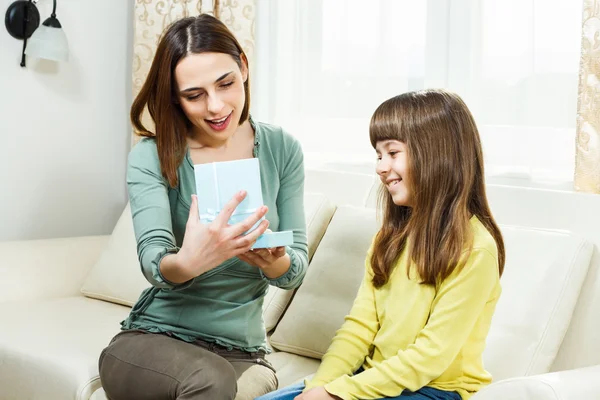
(218, 182)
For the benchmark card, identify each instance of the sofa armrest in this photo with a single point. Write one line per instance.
(581, 383)
(40, 269)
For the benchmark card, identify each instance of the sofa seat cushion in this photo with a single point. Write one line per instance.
(49, 349)
(117, 276)
(292, 368)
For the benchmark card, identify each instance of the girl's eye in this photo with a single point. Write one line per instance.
(392, 153)
(226, 85)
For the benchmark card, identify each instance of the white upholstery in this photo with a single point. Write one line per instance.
(41, 269)
(527, 330)
(50, 348)
(292, 368)
(577, 384)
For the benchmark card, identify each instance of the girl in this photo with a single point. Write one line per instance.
(418, 325)
(198, 330)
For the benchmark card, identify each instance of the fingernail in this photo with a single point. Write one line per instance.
(242, 192)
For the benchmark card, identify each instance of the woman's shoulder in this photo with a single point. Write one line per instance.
(144, 148)
(144, 154)
(276, 135)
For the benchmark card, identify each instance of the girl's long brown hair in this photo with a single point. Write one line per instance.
(446, 181)
(186, 36)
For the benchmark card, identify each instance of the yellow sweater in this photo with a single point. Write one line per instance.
(407, 335)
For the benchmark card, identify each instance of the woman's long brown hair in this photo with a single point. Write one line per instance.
(191, 35)
(446, 181)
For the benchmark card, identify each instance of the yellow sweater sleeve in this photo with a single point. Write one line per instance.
(458, 304)
(352, 342)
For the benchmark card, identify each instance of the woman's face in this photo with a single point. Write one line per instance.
(210, 90)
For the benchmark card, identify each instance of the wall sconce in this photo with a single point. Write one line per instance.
(48, 41)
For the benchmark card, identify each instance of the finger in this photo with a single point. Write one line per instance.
(229, 208)
(278, 251)
(239, 228)
(245, 242)
(264, 254)
(252, 259)
(193, 215)
(245, 259)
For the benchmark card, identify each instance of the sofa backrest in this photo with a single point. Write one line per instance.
(544, 274)
(116, 277)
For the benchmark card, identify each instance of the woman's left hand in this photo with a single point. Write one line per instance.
(262, 258)
(318, 393)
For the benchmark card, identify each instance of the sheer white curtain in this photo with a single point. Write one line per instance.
(323, 66)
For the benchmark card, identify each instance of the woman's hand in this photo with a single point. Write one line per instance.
(318, 393)
(205, 246)
(273, 262)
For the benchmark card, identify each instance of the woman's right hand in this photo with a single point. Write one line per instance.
(205, 246)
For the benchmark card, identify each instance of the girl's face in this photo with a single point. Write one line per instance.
(392, 169)
(210, 90)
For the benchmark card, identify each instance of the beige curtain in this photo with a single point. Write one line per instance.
(587, 160)
(153, 16)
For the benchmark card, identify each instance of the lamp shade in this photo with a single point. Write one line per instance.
(49, 41)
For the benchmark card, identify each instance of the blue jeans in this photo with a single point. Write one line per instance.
(425, 393)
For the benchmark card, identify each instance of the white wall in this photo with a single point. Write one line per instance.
(64, 128)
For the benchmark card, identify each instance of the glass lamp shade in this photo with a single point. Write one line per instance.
(48, 42)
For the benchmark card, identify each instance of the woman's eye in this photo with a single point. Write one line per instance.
(194, 97)
(392, 153)
(226, 85)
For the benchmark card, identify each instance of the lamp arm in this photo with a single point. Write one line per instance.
(54, 10)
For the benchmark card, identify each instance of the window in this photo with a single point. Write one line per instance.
(323, 66)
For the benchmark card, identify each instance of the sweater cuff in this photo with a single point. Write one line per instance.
(157, 279)
(293, 276)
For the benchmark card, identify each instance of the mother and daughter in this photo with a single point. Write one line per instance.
(418, 326)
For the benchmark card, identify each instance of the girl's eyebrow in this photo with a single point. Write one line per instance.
(219, 79)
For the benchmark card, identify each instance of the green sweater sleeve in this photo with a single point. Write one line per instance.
(290, 207)
(151, 212)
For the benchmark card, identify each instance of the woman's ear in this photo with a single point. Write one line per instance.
(244, 67)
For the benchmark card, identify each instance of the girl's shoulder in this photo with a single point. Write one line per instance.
(482, 238)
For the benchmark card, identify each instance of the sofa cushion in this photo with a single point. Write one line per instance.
(541, 283)
(319, 212)
(292, 368)
(543, 276)
(50, 349)
(330, 285)
(117, 277)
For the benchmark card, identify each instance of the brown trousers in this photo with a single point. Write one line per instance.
(139, 365)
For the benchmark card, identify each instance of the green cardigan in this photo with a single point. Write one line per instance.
(223, 305)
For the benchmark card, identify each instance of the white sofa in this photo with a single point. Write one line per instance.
(62, 299)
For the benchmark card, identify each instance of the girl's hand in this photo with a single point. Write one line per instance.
(318, 393)
(205, 246)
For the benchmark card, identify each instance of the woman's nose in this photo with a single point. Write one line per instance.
(215, 104)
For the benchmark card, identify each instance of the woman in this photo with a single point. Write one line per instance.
(199, 327)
